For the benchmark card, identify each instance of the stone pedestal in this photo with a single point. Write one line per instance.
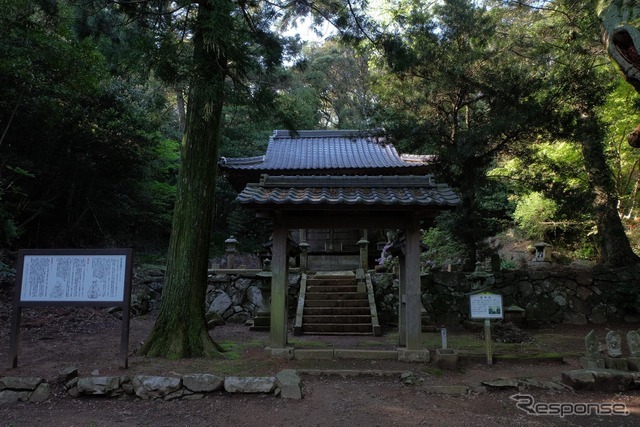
(617, 363)
(446, 358)
(633, 363)
(405, 355)
(592, 363)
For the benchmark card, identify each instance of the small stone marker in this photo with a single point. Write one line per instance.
(593, 358)
(633, 341)
(613, 359)
(592, 345)
(614, 344)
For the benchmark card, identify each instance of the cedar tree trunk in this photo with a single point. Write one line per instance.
(180, 330)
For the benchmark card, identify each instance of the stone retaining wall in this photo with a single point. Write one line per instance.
(233, 297)
(549, 295)
(238, 298)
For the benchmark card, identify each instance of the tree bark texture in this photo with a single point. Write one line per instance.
(612, 241)
(180, 330)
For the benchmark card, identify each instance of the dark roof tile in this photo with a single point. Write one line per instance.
(326, 150)
(380, 191)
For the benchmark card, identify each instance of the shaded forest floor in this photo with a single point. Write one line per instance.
(88, 339)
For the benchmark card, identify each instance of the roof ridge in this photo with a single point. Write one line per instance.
(327, 133)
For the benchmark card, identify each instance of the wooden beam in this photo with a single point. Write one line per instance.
(342, 219)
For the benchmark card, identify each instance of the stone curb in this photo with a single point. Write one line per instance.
(285, 384)
(401, 354)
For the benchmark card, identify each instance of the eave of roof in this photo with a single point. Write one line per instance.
(348, 192)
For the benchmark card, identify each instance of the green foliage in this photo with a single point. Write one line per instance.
(333, 80)
(443, 248)
(532, 212)
(459, 90)
(507, 264)
(82, 155)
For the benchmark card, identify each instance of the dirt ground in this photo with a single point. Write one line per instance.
(88, 339)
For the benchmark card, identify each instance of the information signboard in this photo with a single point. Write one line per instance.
(485, 305)
(72, 277)
(80, 278)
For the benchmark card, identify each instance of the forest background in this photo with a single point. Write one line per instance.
(518, 99)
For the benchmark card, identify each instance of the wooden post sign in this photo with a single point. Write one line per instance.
(487, 306)
(72, 277)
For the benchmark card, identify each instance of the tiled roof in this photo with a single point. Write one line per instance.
(378, 191)
(326, 150)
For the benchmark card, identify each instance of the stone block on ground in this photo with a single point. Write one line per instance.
(600, 380)
(446, 358)
(153, 387)
(98, 386)
(288, 382)
(250, 384)
(20, 383)
(202, 383)
(405, 355)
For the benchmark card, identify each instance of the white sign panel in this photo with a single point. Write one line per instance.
(82, 278)
(486, 305)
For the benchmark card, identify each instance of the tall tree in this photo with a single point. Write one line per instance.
(459, 89)
(77, 144)
(180, 330)
(336, 76)
(581, 78)
(229, 39)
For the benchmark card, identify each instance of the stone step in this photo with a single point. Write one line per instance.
(363, 328)
(337, 311)
(336, 319)
(314, 303)
(332, 281)
(335, 296)
(332, 288)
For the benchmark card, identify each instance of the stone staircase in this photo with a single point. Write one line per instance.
(336, 304)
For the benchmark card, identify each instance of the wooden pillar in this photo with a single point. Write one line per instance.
(279, 284)
(413, 304)
(402, 321)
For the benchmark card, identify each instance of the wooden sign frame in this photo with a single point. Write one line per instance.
(108, 270)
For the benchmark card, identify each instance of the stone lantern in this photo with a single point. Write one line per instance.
(543, 252)
(230, 248)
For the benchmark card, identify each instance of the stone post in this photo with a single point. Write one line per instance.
(230, 248)
(363, 244)
(304, 260)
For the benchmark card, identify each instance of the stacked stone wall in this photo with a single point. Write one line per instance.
(549, 295)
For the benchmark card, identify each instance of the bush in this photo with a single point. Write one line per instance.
(443, 248)
(531, 212)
